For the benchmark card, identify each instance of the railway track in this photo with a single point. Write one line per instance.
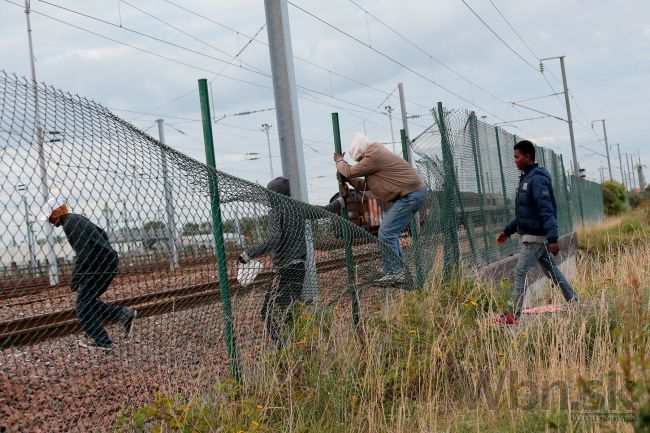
(30, 330)
(14, 288)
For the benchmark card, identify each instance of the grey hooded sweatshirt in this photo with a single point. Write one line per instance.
(286, 229)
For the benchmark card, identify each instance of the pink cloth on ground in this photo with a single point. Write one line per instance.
(544, 309)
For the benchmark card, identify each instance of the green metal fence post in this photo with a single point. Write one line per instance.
(452, 248)
(217, 230)
(567, 201)
(347, 238)
(542, 154)
(419, 274)
(506, 208)
(473, 134)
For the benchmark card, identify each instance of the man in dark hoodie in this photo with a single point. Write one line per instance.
(536, 223)
(287, 245)
(95, 268)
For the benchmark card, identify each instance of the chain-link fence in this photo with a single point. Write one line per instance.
(178, 228)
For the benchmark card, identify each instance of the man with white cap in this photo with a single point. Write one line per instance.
(393, 180)
(95, 268)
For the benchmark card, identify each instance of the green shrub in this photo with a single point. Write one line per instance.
(613, 197)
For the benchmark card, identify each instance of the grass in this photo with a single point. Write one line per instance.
(433, 361)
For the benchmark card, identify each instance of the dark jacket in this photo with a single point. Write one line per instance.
(286, 228)
(96, 259)
(535, 207)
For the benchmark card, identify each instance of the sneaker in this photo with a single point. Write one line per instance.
(94, 345)
(129, 324)
(506, 319)
(392, 278)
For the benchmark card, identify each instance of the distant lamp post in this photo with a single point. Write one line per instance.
(266, 127)
(390, 110)
(30, 234)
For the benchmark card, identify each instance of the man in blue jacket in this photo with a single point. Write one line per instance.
(536, 223)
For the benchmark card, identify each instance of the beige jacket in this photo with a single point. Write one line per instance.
(387, 176)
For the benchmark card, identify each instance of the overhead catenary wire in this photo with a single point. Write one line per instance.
(526, 45)
(381, 53)
(244, 81)
(249, 66)
(336, 73)
(299, 58)
(585, 125)
(173, 44)
(432, 58)
(217, 74)
(137, 48)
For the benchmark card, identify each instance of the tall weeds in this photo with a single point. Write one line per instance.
(435, 361)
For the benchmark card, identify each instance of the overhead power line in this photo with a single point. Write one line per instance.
(499, 37)
(137, 48)
(152, 53)
(514, 30)
(381, 53)
(173, 44)
(301, 59)
(537, 57)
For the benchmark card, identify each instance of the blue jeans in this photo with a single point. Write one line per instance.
(394, 221)
(91, 311)
(530, 254)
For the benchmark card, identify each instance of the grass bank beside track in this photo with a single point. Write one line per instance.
(434, 361)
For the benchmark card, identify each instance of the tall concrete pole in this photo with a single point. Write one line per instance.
(169, 200)
(288, 120)
(630, 179)
(286, 97)
(634, 182)
(576, 166)
(609, 163)
(641, 178)
(45, 190)
(620, 162)
(402, 104)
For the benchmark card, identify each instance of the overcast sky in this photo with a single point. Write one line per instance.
(606, 44)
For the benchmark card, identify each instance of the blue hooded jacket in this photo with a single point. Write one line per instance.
(535, 206)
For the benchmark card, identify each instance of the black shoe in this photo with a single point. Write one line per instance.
(95, 345)
(129, 323)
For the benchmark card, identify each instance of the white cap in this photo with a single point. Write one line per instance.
(52, 204)
(358, 146)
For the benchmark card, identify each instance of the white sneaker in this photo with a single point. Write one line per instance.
(392, 278)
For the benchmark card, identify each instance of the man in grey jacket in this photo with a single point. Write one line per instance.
(95, 268)
(286, 243)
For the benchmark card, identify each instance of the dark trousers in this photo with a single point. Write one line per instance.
(91, 311)
(285, 291)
